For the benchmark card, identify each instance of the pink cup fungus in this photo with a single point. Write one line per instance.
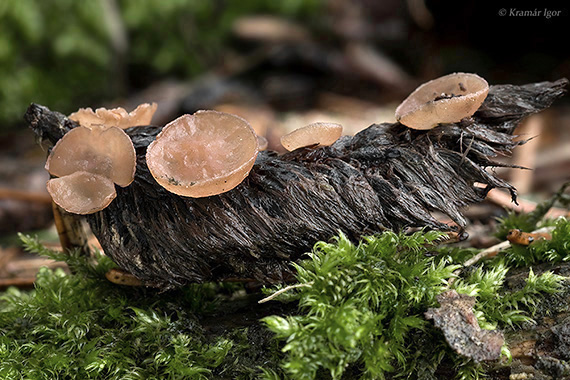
(316, 133)
(262, 142)
(82, 192)
(447, 99)
(88, 161)
(105, 151)
(203, 154)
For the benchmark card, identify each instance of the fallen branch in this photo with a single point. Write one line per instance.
(385, 177)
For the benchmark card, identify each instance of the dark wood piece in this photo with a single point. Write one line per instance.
(385, 177)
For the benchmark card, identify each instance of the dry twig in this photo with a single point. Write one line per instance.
(285, 289)
(494, 250)
(25, 196)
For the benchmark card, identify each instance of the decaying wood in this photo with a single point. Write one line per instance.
(19, 215)
(17, 269)
(26, 196)
(385, 177)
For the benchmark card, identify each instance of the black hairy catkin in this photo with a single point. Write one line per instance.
(386, 177)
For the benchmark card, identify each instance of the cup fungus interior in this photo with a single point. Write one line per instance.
(447, 99)
(108, 152)
(315, 133)
(82, 192)
(204, 154)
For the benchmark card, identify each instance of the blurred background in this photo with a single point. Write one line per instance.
(279, 64)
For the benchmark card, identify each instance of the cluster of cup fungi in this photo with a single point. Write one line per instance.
(211, 152)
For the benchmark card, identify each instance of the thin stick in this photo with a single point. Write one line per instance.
(25, 196)
(491, 251)
(70, 230)
(498, 247)
(285, 289)
(487, 252)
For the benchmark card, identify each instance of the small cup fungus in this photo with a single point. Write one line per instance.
(88, 162)
(447, 99)
(82, 192)
(203, 154)
(116, 117)
(105, 151)
(262, 142)
(315, 133)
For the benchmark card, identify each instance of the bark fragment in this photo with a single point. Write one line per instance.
(456, 319)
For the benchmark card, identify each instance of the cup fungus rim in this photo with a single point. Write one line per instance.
(119, 116)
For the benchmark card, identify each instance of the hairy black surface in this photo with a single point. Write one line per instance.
(385, 177)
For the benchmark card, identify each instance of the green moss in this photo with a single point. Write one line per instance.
(80, 326)
(357, 312)
(500, 307)
(362, 307)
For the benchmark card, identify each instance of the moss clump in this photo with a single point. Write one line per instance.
(361, 303)
(360, 314)
(79, 326)
(361, 308)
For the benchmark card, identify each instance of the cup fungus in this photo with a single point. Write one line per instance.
(105, 151)
(116, 117)
(447, 99)
(88, 162)
(262, 142)
(203, 154)
(315, 133)
(82, 192)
